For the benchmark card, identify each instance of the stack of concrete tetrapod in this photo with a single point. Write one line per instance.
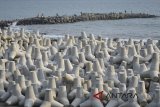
(71, 70)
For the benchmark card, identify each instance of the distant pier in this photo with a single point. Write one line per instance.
(75, 18)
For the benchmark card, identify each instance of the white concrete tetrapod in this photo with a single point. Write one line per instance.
(122, 56)
(79, 97)
(97, 49)
(68, 66)
(33, 77)
(49, 101)
(136, 65)
(154, 69)
(83, 35)
(88, 53)
(89, 67)
(131, 52)
(132, 100)
(3, 78)
(111, 75)
(130, 41)
(150, 49)
(142, 68)
(143, 53)
(41, 75)
(137, 47)
(130, 73)
(74, 55)
(30, 63)
(7, 94)
(62, 95)
(77, 83)
(36, 89)
(153, 86)
(156, 99)
(21, 82)
(30, 98)
(52, 83)
(92, 101)
(143, 97)
(156, 49)
(82, 60)
(2, 91)
(23, 67)
(106, 88)
(36, 53)
(110, 44)
(60, 64)
(122, 89)
(45, 58)
(97, 68)
(16, 95)
(3, 63)
(53, 51)
(28, 83)
(14, 51)
(39, 64)
(115, 99)
(133, 83)
(11, 69)
(102, 64)
(122, 77)
(48, 42)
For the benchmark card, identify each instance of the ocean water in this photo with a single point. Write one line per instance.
(135, 28)
(128, 28)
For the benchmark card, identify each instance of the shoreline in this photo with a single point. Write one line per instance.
(74, 18)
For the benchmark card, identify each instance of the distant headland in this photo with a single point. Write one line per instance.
(41, 19)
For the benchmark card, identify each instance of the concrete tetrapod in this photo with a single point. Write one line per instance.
(156, 99)
(92, 101)
(114, 102)
(30, 98)
(132, 101)
(49, 101)
(16, 95)
(154, 68)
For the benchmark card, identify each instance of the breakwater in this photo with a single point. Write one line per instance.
(76, 18)
(5, 23)
(78, 71)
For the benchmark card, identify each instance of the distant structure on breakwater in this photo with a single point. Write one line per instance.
(75, 18)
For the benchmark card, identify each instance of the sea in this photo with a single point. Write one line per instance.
(139, 28)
